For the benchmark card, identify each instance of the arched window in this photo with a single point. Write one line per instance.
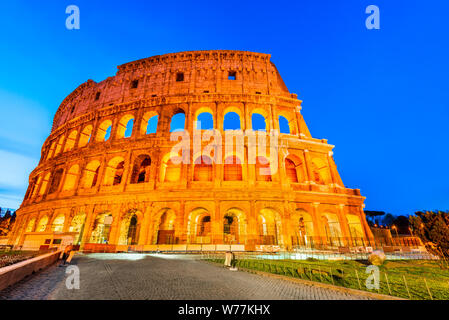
(171, 169)
(104, 131)
(91, 174)
(56, 181)
(177, 122)
(125, 127)
(59, 145)
(232, 169)
(44, 184)
(231, 121)
(204, 227)
(30, 225)
(101, 228)
(71, 139)
(284, 127)
(51, 150)
(203, 170)
(58, 223)
(205, 121)
(258, 122)
(71, 177)
(42, 225)
(320, 171)
(263, 170)
(114, 171)
(290, 170)
(141, 169)
(149, 123)
(85, 136)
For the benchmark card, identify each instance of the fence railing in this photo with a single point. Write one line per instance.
(376, 280)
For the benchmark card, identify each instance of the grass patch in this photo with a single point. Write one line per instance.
(8, 258)
(410, 279)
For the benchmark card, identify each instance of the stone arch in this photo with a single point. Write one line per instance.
(71, 140)
(56, 180)
(125, 126)
(288, 119)
(263, 169)
(77, 226)
(284, 126)
(101, 228)
(85, 136)
(59, 145)
(178, 121)
(320, 171)
(294, 169)
(44, 184)
(51, 150)
(303, 227)
(234, 226)
(204, 117)
(355, 229)
(232, 168)
(130, 228)
(203, 169)
(104, 131)
(30, 225)
(42, 224)
(141, 169)
(332, 228)
(114, 171)
(199, 226)
(149, 123)
(71, 178)
(91, 173)
(270, 227)
(170, 168)
(58, 223)
(232, 119)
(165, 223)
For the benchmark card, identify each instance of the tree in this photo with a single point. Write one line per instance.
(433, 229)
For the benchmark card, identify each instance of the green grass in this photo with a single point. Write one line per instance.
(352, 274)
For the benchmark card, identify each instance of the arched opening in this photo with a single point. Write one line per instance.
(290, 170)
(91, 174)
(205, 121)
(71, 140)
(232, 169)
(58, 223)
(230, 228)
(231, 121)
(44, 184)
(258, 122)
(101, 228)
(199, 226)
(56, 181)
(129, 229)
(125, 126)
(77, 226)
(104, 131)
(85, 136)
(114, 172)
(332, 229)
(71, 178)
(149, 123)
(269, 223)
(263, 170)
(303, 228)
(355, 229)
(59, 146)
(177, 122)
(141, 169)
(42, 225)
(171, 169)
(284, 126)
(52, 149)
(320, 171)
(166, 230)
(203, 170)
(30, 225)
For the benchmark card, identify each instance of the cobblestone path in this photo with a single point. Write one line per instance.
(137, 276)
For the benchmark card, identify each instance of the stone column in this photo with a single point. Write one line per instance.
(308, 167)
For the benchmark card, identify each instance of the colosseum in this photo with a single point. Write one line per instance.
(111, 177)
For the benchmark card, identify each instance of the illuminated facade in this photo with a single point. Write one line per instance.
(107, 173)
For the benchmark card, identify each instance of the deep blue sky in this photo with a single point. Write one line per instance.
(380, 96)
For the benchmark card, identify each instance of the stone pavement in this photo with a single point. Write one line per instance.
(168, 277)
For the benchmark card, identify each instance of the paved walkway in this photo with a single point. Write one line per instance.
(137, 276)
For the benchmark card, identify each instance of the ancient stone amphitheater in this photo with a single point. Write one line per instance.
(110, 176)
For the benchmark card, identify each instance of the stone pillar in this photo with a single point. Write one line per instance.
(308, 167)
(90, 216)
(143, 236)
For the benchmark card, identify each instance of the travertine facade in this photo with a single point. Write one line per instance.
(105, 185)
